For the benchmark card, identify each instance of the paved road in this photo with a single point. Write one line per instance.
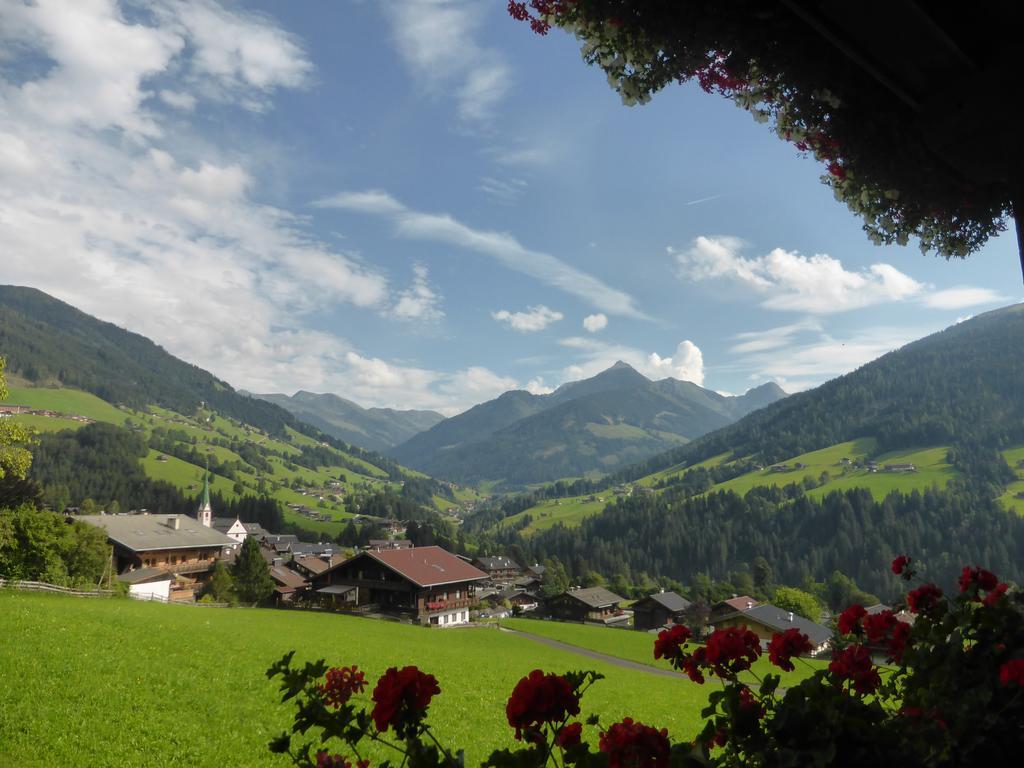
(603, 657)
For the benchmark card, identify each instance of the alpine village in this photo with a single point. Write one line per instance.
(286, 478)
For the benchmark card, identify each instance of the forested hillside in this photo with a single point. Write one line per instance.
(959, 386)
(596, 425)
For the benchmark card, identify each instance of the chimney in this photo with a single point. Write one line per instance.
(790, 617)
(172, 522)
(750, 605)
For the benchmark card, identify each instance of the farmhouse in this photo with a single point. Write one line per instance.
(499, 567)
(659, 609)
(427, 584)
(590, 604)
(174, 543)
(733, 604)
(766, 619)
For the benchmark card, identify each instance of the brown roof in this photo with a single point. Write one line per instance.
(317, 565)
(740, 603)
(426, 566)
(286, 577)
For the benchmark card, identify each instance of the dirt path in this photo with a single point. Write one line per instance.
(602, 657)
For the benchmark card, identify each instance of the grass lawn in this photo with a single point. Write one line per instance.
(117, 682)
(71, 401)
(632, 645)
(569, 511)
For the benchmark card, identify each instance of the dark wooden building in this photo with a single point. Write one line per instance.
(591, 604)
(659, 609)
(428, 584)
(499, 567)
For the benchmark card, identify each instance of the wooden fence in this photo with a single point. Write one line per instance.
(42, 586)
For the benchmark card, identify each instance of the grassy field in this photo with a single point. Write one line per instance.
(116, 682)
(932, 469)
(569, 511)
(69, 401)
(1009, 500)
(632, 645)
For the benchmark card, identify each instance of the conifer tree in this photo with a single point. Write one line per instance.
(252, 574)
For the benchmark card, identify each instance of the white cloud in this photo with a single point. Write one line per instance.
(816, 284)
(686, 363)
(595, 323)
(962, 297)
(420, 302)
(504, 192)
(236, 56)
(533, 319)
(773, 338)
(437, 40)
(501, 246)
(178, 99)
(536, 386)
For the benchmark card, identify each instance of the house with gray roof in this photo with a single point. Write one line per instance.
(498, 567)
(766, 619)
(591, 604)
(659, 609)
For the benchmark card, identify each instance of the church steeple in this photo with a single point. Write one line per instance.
(205, 512)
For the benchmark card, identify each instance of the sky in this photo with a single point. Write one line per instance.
(422, 204)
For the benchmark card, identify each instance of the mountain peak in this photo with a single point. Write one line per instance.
(619, 365)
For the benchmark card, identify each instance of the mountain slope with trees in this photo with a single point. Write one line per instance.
(596, 425)
(376, 429)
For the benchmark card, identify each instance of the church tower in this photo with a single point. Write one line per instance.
(205, 512)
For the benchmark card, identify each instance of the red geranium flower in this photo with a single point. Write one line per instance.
(635, 745)
(924, 599)
(995, 595)
(898, 641)
(569, 735)
(401, 698)
(849, 620)
(732, 650)
(691, 664)
(341, 684)
(1012, 673)
(900, 564)
(748, 703)
(539, 699)
(854, 664)
(972, 577)
(785, 645)
(878, 625)
(670, 642)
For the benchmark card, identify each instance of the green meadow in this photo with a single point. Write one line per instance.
(636, 646)
(1010, 500)
(68, 401)
(114, 682)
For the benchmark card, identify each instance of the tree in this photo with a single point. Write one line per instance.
(15, 457)
(39, 545)
(222, 585)
(799, 602)
(251, 573)
(920, 146)
(762, 573)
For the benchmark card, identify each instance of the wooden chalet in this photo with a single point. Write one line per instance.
(730, 606)
(499, 568)
(426, 584)
(594, 604)
(767, 619)
(659, 609)
(177, 544)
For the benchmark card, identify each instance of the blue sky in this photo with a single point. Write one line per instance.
(420, 203)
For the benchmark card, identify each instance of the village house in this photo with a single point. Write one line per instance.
(12, 409)
(426, 584)
(313, 565)
(767, 619)
(659, 609)
(517, 597)
(233, 528)
(499, 567)
(378, 544)
(177, 544)
(593, 604)
(733, 604)
(288, 584)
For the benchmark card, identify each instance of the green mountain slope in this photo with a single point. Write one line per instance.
(597, 425)
(961, 386)
(375, 429)
(174, 419)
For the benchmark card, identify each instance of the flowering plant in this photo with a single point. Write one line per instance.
(886, 156)
(940, 683)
